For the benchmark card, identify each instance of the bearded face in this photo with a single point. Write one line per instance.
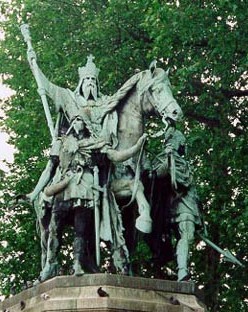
(78, 125)
(89, 88)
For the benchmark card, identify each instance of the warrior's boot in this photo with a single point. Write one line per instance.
(186, 230)
(78, 254)
(182, 259)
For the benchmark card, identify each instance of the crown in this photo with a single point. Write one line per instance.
(89, 69)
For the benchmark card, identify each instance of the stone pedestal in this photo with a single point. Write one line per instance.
(126, 294)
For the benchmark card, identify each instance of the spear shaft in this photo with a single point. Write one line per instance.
(41, 90)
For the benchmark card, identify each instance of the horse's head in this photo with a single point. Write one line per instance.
(156, 86)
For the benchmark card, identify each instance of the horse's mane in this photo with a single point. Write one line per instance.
(150, 79)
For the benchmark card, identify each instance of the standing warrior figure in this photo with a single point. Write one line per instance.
(173, 170)
(74, 191)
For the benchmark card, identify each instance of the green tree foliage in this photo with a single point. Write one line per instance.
(205, 44)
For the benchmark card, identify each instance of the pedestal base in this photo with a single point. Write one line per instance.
(126, 294)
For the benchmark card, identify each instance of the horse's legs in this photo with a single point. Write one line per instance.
(43, 242)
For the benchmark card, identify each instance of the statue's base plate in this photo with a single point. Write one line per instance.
(132, 294)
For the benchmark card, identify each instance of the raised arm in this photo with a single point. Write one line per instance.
(45, 87)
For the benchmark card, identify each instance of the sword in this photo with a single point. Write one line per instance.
(97, 213)
(27, 38)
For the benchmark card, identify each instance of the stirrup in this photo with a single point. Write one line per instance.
(144, 224)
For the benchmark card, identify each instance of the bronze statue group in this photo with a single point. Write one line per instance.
(98, 168)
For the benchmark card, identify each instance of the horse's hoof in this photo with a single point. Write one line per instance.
(126, 270)
(37, 281)
(79, 273)
(49, 271)
(77, 269)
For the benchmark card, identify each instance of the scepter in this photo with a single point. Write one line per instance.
(41, 90)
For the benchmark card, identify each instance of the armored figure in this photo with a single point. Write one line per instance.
(73, 192)
(174, 173)
(73, 197)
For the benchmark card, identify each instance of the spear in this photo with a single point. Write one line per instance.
(41, 90)
(228, 256)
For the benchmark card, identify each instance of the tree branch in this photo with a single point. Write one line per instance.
(199, 89)
(211, 122)
(141, 35)
(235, 93)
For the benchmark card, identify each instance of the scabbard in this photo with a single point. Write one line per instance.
(97, 213)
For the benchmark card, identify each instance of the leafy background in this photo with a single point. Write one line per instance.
(205, 44)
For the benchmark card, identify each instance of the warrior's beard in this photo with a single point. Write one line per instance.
(90, 92)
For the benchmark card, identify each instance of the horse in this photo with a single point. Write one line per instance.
(150, 94)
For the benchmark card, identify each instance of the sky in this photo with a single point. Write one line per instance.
(6, 150)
